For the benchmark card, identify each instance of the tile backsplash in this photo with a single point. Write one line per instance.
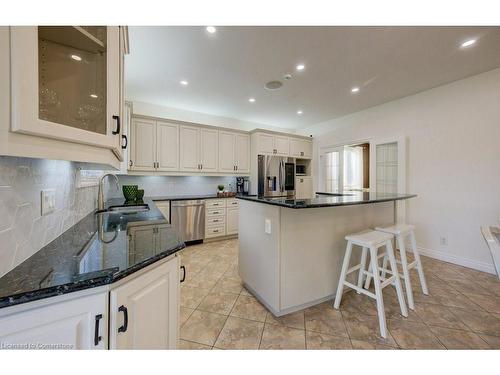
(23, 230)
(155, 186)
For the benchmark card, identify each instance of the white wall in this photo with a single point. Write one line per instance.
(453, 161)
(148, 109)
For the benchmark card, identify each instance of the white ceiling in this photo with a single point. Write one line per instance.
(226, 68)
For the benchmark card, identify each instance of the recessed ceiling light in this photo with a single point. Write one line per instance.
(299, 112)
(93, 96)
(300, 67)
(251, 100)
(468, 43)
(355, 90)
(184, 82)
(211, 29)
(76, 57)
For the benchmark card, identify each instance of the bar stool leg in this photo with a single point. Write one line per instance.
(378, 292)
(368, 277)
(394, 269)
(420, 270)
(343, 273)
(406, 272)
(362, 268)
(384, 266)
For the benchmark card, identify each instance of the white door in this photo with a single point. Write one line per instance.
(144, 311)
(209, 150)
(167, 146)
(143, 145)
(189, 144)
(226, 152)
(303, 188)
(332, 176)
(282, 145)
(388, 169)
(80, 323)
(242, 153)
(71, 90)
(265, 144)
(232, 220)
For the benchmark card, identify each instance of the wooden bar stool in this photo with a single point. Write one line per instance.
(371, 240)
(401, 231)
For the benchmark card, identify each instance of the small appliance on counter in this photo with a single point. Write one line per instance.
(300, 170)
(242, 185)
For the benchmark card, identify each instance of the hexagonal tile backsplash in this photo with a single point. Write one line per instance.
(23, 231)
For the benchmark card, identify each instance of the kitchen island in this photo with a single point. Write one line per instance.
(291, 250)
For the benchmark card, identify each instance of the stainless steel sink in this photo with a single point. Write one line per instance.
(127, 209)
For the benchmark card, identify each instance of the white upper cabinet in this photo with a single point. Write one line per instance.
(282, 145)
(167, 146)
(227, 142)
(144, 312)
(234, 152)
(66, 84)
(143, 145)
(80, 323)
(209, 147)
(300, 148)
(303, 187)
(189, 143)
(242, 153)
(265, 144)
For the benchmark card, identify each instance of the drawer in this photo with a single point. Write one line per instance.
(216, 211)
(232, 202)
(215, 221)
(214, 203)
(217, 231)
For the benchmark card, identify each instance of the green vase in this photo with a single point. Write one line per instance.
(130, 192)
(140, 194)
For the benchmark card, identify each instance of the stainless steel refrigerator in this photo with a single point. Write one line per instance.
(276, 176)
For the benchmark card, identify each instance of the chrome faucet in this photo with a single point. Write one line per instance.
(100, 197)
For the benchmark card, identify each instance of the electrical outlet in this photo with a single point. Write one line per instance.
(48, 201)
(443, 241)
(267, 226)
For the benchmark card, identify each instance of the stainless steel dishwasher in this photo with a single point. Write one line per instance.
(188, 218)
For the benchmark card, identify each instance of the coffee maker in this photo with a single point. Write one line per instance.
(242, 185)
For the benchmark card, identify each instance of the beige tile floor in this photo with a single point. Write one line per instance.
(217, 312)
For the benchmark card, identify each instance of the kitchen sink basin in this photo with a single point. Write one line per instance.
(126, 209)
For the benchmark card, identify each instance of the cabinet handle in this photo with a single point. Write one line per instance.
(131, 163)
(126, 141)
(215, 204)
(236, 167)
(215, 221)
(124, 327)
(97, 338)
(183, 274)
(301, 153)
(216, 231)
(117, 131)
(201, 166)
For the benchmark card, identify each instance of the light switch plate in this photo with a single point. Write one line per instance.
(267, 225)
(48, 201)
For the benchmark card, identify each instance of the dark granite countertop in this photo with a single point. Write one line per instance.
(98, 250)
(329, 200)
(186, 197)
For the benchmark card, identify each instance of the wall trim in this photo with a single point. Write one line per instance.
(458, 260)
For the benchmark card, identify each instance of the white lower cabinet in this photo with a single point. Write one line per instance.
(232, 220)
(144, 311)
(79, 323)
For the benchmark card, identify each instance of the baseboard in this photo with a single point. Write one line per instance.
(461, 261)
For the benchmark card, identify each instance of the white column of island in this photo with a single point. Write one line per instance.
(291, 251)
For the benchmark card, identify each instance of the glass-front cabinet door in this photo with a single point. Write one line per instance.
(66, 83)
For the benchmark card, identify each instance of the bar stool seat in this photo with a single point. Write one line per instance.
(372, 240)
